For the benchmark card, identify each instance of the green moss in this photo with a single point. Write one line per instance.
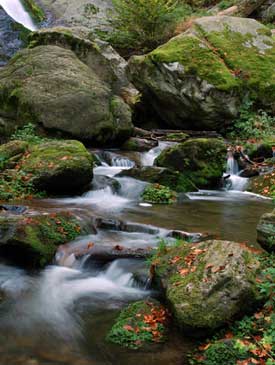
(245, 57)
(140, 323)
(197, 59)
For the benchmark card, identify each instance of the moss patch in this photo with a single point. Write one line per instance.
(141, 323)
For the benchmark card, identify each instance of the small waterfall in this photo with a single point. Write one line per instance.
(234, 181)
(119, 161)
(232, 166)
(148, 158)
(15, 10)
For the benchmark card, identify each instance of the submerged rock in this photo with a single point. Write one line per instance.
(199, 78)
(31, 239)
(266, 231)
(200, 160)
(50, 86)
(207, 284)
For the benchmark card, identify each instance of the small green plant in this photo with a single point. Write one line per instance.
(159, 194)
(252, 124)
(27, 133)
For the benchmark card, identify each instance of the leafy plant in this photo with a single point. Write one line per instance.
(252, 124)
(27, 133)
(159, 194)
(141, 25)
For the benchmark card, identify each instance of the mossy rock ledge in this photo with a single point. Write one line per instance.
(266, 231)
(200, 160)
(208, 284)
(52, 166)
(31, 239)
(199, 78)
(50, 86)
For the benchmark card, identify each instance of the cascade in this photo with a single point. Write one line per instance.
(16, 10)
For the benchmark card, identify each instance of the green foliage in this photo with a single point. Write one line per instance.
(224, 353)
(27, 133)
(159, 194)
(142, 25)
(224, 4)
(267, 286)
(252, 124)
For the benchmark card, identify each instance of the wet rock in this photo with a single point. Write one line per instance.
(163, 176)
(31, 239)
(11, 153)
(189, 237)
(266, 231)
(103, 182)
(207, 284)
(139, 144)
(67, 97)
(118, 225)
(14, 209)
(217, 58)
(250, 172)
(192, 159)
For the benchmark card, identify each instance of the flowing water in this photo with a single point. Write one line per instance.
(61, 315)
(16, 10)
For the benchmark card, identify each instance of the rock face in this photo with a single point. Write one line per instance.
(32, 239)
(12, 37)
(90, 13)
(200, 160)
(50, 86)
(98, 55)
(263, 184)
(139, 144)
(52, 166)
(167, 177)
(199, 78)
(266, 231)
(208, 284)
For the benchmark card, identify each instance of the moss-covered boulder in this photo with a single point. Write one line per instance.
(140, 324)
(266, 231)
(160, 175)
(207, 284)
(158, 194)
(50, 86)
(199, 78)
(99, 56)
(50, 166)
(31, 239)
(200, 160)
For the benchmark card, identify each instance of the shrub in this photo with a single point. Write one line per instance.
(159, 194)
(252, 124)
(141, 25)
(28, 134)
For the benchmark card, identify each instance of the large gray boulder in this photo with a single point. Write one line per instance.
(199, 78)
(208, 284)
(50, 86)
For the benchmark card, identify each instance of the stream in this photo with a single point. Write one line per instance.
(61, 315)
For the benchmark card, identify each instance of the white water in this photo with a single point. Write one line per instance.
(50, 298)
(234, 182)
(148, 158)
(16, 10)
